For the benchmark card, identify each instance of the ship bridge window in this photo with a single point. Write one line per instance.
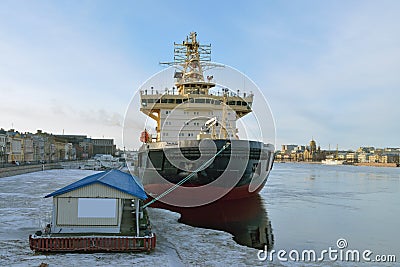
(208, 101)
(150, 100)
(244, 103)
(171, 101)
(158, 101)
(163, 100)
(178, 101)
(200, 100)
(231, 103)
(238, 103)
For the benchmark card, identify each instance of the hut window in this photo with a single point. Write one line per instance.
(97, 208)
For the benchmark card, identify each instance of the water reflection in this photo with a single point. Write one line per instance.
(246, 219)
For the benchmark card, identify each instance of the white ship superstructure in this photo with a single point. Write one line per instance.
(182, 111)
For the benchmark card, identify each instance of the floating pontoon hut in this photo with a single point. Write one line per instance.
(100, 212)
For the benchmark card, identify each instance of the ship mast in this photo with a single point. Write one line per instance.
(191, 59)
(188, 54)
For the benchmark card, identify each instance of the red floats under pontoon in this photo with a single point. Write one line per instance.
(92, 243)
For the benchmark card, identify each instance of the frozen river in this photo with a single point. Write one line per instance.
(302, 207)
(23, 210)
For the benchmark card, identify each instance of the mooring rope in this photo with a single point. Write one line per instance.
(166, 192)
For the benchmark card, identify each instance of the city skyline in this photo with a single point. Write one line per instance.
(330, 147)
(328, 70)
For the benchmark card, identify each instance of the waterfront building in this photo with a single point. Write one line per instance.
(14, 147)
(392, 149)
(365, 149)
(351, 157)
(373, 158)
(314, 153)
(3, 138)
(300, 148)
(103, 146)
(60, 145)
(308, 155)
(82, 147)
(84, 150)
(311, 152)
(27, 147)
(341, 156)
(313, 146)
(70, 152)
(363, 157)
(390, 158)
(296, 155)
(288, 148)
(44, 147)
(54, 147)
(377, 151)
(48, 146)
(38, 148)
(279, 155)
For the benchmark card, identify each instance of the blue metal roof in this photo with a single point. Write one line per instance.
(116, 179)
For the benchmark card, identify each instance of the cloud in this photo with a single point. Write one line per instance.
(328, 70)
(61, 70)
(101, 117)
(347, 89)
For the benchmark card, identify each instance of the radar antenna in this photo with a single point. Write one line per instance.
(191, 59)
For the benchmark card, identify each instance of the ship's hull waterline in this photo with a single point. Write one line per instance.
(239, 171)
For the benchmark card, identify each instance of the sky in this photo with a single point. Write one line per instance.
(328, 69)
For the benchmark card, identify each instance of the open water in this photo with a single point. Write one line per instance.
(303, 208)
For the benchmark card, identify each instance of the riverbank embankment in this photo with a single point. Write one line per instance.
(22, 169)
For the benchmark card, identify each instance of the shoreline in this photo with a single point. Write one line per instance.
(22, 169)
(365, 164)
(17, 170)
